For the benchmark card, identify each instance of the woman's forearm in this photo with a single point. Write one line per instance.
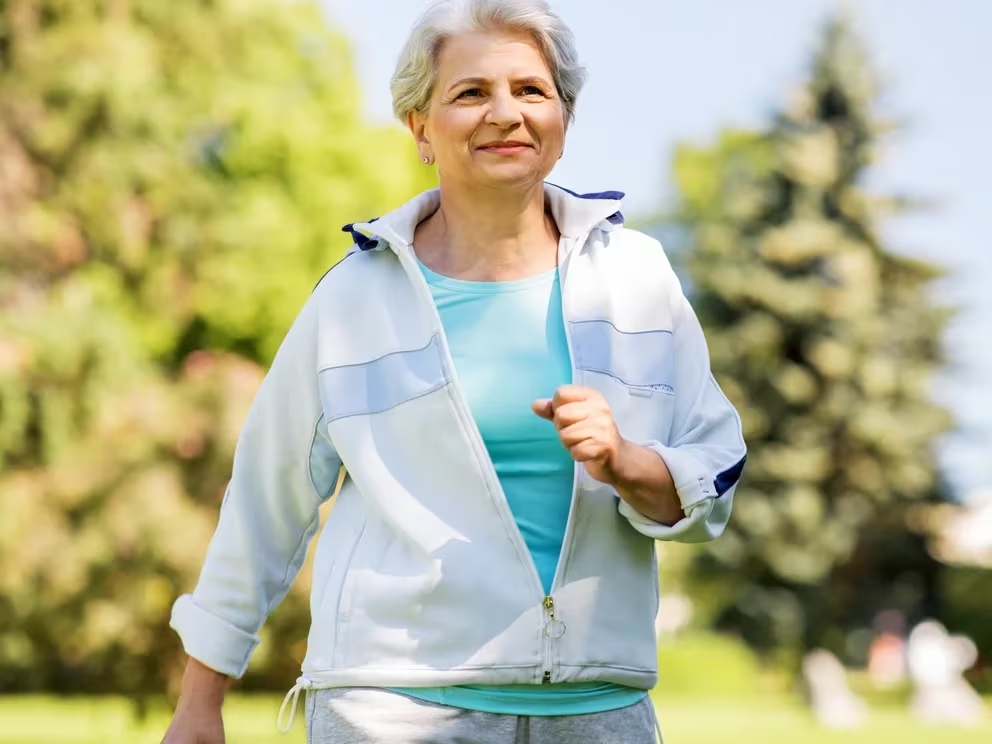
(202, 688)
(641, 478)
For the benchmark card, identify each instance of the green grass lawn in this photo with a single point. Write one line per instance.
(251, 720)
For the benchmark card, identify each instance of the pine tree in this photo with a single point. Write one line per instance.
(823, 337)
(173, 180)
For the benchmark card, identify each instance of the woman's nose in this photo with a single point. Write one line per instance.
(504, 110)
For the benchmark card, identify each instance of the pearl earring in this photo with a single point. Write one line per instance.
(427, 160)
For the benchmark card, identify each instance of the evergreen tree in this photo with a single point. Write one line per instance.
(173, 180)
(826, 341)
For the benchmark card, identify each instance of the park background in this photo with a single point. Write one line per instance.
(173, 179)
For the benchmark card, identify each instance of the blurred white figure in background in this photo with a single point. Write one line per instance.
(834, 703)
(937, 662)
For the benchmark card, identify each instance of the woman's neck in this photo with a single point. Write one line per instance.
(489, 235)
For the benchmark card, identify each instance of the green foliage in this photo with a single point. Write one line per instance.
(174, 179)
(823, 338)
(967, 601)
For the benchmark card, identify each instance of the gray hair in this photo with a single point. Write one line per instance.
(413, 82)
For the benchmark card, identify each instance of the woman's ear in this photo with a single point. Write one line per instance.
(417, 124)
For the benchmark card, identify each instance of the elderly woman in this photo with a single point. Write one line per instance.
(520, 397)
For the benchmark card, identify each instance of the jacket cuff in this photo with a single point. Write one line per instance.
(687, 529)
(211, 641)
(689, 474)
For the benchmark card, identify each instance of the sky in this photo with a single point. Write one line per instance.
(665, 72)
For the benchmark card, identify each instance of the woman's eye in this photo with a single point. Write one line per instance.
(470, 93)
(532, 90)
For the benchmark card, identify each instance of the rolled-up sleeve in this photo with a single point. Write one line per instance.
(706, 450)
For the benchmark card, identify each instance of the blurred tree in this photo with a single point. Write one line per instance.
(826, 341)
(173, 179)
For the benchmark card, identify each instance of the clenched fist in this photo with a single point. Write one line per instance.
(586, 427)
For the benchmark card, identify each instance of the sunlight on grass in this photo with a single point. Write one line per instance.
(251, 720)
(41, 720)
(776, 721)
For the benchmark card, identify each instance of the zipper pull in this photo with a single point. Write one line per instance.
(553, 628)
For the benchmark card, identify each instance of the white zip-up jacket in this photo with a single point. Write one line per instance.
(421, 575)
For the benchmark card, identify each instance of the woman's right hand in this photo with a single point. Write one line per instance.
(198, 718)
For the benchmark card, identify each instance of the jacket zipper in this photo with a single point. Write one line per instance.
(549, 610)
(553, 630)
(553, 627)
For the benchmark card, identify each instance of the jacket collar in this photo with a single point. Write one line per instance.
(575, 214)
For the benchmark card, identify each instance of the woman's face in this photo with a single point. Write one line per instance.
(495, 118)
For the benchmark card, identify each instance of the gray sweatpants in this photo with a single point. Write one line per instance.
(355, 715)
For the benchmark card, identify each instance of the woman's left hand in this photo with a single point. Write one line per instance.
(586, 427)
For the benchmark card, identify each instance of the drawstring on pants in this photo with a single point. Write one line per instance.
(657, 724)
(292, 700)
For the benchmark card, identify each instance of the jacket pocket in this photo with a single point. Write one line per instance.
(339, 541)
(635, 371)
(388, 601)
(331, 568)
(641, 360)
(381, 384)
